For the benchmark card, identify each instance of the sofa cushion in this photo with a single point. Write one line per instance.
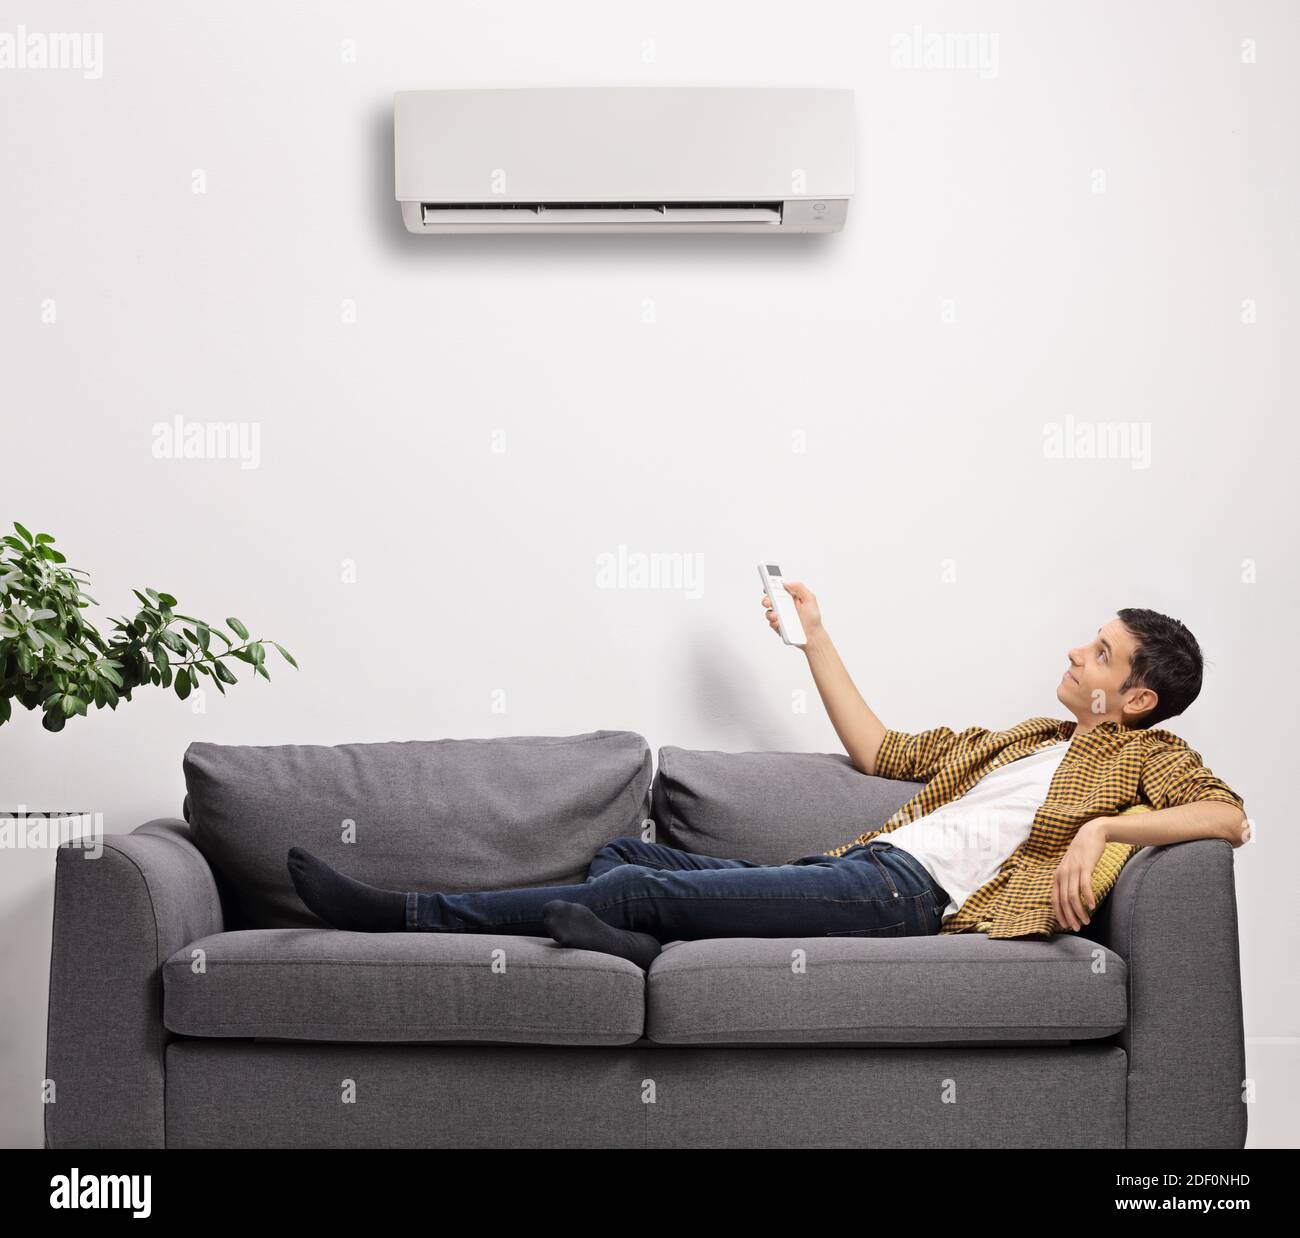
(322, 984)
(768, 807)
(448, 815)
(884, 990)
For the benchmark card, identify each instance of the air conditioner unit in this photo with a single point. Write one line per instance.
(625, 159)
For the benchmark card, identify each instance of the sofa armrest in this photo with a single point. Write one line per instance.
(117, 917)
(1172, 917)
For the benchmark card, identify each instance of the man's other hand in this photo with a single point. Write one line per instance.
(1073, 901)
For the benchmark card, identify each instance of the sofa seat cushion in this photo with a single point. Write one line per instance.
(323, 984)
(884, 990)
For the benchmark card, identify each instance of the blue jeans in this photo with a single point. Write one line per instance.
(872, 890)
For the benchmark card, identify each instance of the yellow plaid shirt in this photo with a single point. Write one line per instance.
(1105, 771)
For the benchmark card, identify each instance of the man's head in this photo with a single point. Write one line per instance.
(1141, 668)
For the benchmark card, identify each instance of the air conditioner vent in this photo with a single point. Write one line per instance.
(540, 214)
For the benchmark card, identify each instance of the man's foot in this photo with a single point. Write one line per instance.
(343, 902)
(576, 926)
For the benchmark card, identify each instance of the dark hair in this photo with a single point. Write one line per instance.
(1167, 660)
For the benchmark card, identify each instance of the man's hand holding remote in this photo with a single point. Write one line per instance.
(860, 731)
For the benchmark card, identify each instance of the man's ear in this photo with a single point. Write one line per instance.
(1141, 702)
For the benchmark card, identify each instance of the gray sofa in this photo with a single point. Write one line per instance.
(195, 1002)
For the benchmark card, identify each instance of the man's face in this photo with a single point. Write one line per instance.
(1090, 686)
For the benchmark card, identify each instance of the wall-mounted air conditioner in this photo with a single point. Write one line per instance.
(625, 159)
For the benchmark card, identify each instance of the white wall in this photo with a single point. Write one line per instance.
(924, 438)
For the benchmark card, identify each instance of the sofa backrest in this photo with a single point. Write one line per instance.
(768, 807)
(447, 815)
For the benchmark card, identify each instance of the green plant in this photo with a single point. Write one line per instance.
(53, 659)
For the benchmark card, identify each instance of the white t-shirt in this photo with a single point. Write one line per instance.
(962, 844)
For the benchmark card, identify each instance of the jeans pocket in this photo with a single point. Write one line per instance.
(884, 872)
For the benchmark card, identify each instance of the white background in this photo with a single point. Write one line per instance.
(476, 570)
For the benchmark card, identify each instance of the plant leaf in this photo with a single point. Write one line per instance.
(172, 641)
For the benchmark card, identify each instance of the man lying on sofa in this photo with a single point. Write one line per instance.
(1015, 833)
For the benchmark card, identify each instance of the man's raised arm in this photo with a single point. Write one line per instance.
(860, 731)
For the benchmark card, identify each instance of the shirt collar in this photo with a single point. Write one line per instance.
(1066, 729)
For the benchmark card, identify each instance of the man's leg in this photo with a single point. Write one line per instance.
(354, 906)
(825, 897)
(630, 849)
(631, 907)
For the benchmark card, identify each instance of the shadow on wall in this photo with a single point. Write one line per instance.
(805, 250)
(715, 675)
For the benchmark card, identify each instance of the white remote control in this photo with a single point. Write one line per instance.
(787, 615)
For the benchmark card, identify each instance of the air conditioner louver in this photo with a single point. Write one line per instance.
(544, 214)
